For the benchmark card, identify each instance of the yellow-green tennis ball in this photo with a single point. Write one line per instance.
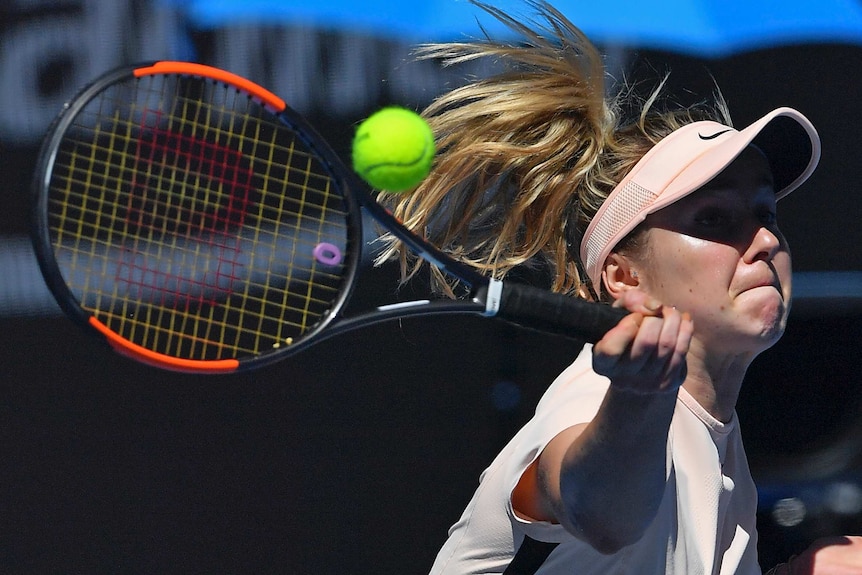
(393, 149)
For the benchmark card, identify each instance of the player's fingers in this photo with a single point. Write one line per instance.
(675, 365)
(656, 359)
(630, 351)
(618, 341)
(666, 342)
(647, 342)
(615, 344)
(651, 349)
(619, 338)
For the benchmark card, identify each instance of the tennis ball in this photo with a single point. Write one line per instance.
(393, 149)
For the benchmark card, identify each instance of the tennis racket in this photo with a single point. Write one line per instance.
(195, 222)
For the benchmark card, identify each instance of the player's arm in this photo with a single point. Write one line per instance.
(603, 480)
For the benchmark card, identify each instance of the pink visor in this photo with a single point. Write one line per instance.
(689, 158)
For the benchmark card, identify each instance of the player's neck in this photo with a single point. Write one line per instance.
(715, 382)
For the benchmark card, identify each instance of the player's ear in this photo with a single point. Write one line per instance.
(618, 275)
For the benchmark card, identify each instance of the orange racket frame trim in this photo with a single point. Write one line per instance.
(144, 355)
(192, 69)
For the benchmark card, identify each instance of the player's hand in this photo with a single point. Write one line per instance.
(645, 352)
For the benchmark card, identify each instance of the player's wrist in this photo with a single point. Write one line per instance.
(631, 408)
(644, 391)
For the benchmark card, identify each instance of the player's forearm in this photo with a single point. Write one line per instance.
(613, 476)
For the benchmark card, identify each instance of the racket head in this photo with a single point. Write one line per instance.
(192, 220)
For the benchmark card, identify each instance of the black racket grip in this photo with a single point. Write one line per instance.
(557, 313)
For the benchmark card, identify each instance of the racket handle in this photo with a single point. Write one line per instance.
(556, 313)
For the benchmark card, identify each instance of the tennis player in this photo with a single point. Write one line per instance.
(634, 461)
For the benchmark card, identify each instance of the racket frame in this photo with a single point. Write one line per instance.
(333, 322)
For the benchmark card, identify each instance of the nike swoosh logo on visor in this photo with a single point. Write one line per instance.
(713, 136)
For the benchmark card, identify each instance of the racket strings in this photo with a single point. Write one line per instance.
(189, 220)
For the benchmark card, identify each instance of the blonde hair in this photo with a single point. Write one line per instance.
(527, 155)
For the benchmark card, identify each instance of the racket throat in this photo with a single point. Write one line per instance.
(492, 295)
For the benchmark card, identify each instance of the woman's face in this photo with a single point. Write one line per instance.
(718, 254)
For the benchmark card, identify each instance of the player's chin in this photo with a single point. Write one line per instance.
(772, 323)
(768, 311)
(771, 332)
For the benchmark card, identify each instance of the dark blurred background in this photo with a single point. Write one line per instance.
(357, 455)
